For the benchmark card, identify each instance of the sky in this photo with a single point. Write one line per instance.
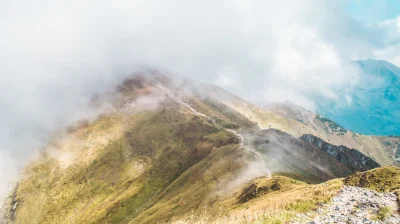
(56, 54)
(373, 11)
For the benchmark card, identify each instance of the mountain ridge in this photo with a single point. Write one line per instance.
(162, 154)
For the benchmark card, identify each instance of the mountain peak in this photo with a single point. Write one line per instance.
(378, 67)
(374, 108)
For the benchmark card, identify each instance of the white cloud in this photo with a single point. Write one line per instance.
(349, 101)
(224, 79)
(391, 39)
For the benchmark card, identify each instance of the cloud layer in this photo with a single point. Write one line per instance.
(56, 54)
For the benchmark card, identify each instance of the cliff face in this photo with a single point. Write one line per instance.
(351, 157)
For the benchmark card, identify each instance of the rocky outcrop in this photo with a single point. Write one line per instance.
(8, 207)
(14, 204)
(350, 157)
(359, 205)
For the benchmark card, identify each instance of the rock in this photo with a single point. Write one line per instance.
(354, 204)
(366, 221)
(360, 215)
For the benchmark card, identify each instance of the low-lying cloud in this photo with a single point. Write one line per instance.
(55, 55)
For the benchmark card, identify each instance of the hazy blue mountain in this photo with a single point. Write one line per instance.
(374, 107)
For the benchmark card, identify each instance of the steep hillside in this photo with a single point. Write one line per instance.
(350, 157)
(168, 148)
(113, 169)
(298, 158)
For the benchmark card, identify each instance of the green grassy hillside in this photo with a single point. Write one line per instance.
(125, 177)
(385, 179)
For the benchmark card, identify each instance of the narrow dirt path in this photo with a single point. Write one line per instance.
(195, 112)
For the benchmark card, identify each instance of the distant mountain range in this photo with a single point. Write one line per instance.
(373, 108)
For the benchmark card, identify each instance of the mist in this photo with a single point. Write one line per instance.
(56, 55)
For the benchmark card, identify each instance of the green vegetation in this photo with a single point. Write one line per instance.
(276, 217)
(301, 206)
(383, 179)
(191, 140)
(132, 176)
(308, 198)
(228, 125)
(195, 189)
(332, 125)
(383, 213)
(262, 186)
(221, 138)
(224, 115)
(278, 199)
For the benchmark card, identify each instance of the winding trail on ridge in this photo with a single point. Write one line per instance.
(195, 112)
(258, 156)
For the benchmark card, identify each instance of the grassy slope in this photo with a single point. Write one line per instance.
(129, 162)
(197, 188)
(124, 166)
(384, 179)
(275, 200)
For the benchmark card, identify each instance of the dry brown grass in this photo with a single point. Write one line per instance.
(279, 206)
